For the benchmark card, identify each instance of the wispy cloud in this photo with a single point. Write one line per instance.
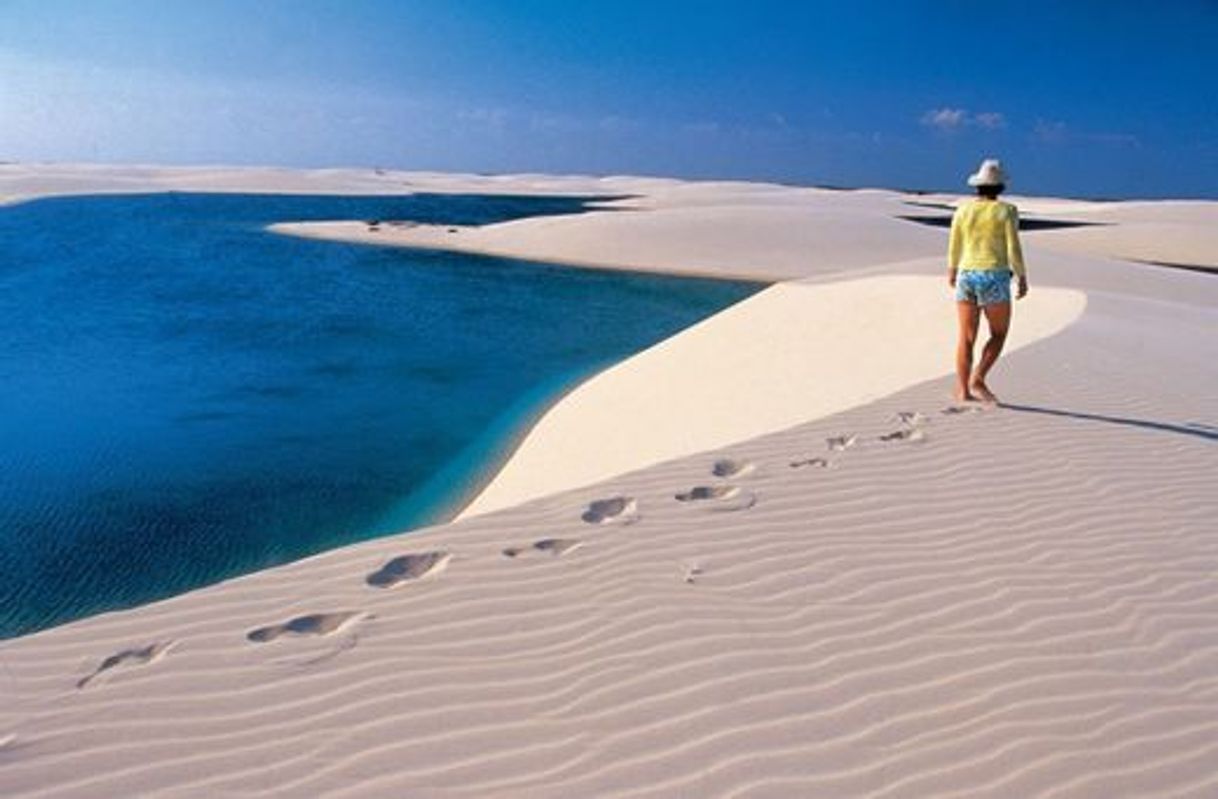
(946, 119)
(950, 120)
(990, 120)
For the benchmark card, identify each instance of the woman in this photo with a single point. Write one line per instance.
(982, 253)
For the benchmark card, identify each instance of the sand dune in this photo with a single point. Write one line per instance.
(768, 355)
(890, 596)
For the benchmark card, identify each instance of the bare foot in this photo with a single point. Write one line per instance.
(982, 392)
(962, 395)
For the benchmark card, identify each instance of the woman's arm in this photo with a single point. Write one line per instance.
(1015, 251)
(955, 248)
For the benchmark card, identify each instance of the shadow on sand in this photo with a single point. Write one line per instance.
(1197, 429)
(1024, 223)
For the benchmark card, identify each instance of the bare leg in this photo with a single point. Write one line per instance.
(969, 317)
(998, 316)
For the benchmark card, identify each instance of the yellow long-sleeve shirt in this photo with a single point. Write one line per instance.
(985, 235)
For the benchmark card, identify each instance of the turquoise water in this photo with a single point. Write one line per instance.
(185, 397)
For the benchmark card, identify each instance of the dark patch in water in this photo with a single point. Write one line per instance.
(437, 373)
(337, 370)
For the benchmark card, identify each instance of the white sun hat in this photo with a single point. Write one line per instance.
(990, 173)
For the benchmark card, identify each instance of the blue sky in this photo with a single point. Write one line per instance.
(1079, 98)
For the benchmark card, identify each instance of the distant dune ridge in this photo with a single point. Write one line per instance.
(767, 557)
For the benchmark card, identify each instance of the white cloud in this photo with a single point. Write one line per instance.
(949, 120)
(945, 118)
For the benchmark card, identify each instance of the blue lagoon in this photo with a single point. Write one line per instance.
(187, 397)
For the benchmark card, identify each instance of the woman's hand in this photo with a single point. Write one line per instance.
(1022, 291)
(951, 277)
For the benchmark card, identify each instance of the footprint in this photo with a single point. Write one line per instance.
(820, 463)
(912, 418)
(839, 443)
(904, 435)
(313, 624)
(956, 410)
(727, 467)
(602, 511)
(129, 657)
(691, 572)
(708, 492)
(555, 547)
(408, 567)
(719, 498)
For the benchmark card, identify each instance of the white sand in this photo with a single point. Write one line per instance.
(881, 599)
(767, 355)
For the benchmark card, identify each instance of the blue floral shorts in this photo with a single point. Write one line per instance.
(983, 286)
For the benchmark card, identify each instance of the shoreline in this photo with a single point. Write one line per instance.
(349, 232)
